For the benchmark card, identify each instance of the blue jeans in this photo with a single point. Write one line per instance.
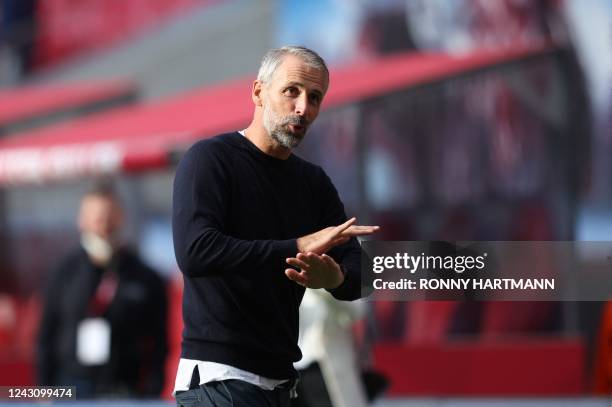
(233, 393)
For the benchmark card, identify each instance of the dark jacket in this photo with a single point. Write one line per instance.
(136, 315)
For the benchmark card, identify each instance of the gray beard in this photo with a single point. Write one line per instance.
(285, 139)
(274, 126)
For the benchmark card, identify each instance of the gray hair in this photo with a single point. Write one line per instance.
(273, 58)
(103, 187)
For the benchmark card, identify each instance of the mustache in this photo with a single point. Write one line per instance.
(295, 121)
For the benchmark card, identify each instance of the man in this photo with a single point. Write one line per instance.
(253, 225)
(103, 327)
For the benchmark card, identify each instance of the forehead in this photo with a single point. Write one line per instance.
(294, 70)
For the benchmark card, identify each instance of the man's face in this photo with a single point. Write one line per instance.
(292, 99)
(100, 215)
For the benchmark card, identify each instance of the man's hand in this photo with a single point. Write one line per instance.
(316, 271)
(322, 241)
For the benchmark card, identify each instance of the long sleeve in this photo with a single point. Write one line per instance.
(348, 255)
(200, 209)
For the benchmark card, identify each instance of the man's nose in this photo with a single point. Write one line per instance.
(301, 106)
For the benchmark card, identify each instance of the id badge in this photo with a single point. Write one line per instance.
(93, 341)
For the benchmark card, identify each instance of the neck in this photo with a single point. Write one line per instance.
(259, 136)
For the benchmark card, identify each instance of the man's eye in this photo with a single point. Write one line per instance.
(291, 91)
(316, 99)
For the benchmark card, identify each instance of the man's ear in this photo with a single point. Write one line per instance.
(256, 93)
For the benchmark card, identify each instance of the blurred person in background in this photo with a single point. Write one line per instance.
(245, 208)
(334, 369)
(103, 326)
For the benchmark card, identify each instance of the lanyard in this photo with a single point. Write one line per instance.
(105, 292)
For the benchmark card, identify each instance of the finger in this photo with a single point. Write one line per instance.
(359, 230)
(311, 259)
(308, 258)
(295, 276)
(298, 263)
(366, 227)
(362, 228)
(341, 228)
(329, 260)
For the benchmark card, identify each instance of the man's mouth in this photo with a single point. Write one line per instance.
(297, 128)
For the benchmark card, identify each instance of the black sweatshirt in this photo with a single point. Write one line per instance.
(237, 213)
